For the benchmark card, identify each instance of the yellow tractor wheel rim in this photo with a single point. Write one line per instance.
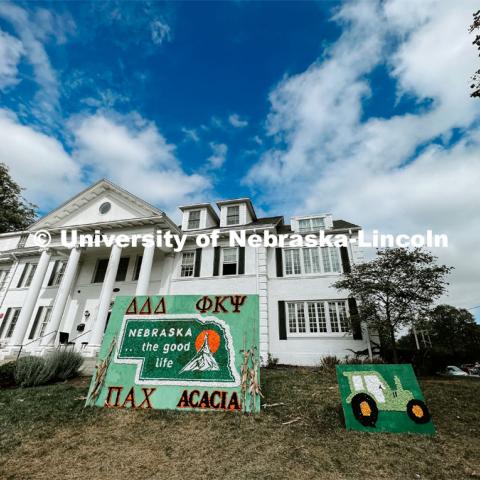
(417, 410)
(365, 409)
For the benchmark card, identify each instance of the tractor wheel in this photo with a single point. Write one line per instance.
(418, 411)
(365, 409)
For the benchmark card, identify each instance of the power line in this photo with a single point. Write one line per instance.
(473, 308)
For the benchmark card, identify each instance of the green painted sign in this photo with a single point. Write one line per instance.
(383, 398)
(180, 352)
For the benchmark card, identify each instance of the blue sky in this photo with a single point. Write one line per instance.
(357, 108)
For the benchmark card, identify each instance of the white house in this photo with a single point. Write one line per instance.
(59, 295)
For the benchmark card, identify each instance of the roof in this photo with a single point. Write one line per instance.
(266, 221)
(337, 225)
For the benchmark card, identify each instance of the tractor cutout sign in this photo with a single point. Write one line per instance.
(383, 398)
(182, 352)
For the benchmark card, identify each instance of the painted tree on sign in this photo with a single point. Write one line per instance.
(395, 288)
(15, 212)
(475, 27)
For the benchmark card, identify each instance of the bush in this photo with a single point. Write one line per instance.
(7, 375)
(64, 364)
(329, 362)
(31, 371)
(272, 361)
(59, 365)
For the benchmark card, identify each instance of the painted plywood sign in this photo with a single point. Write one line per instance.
(383, 398)
(183, 352)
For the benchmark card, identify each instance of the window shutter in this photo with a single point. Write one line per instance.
(241, 260)
(35, 323)
(282, 324)
(52, 275)
(22, 276)
(216, 261)
(198, 262)
(279, 258)
(355, 319)
(345, 260)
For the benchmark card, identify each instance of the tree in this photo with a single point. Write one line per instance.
(395, 288)
(454, 330)
(476, 76)
(15, 212)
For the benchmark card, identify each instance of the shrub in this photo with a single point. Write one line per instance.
(31, 371)
(7, 375)
(64, 364)
(329, 362)
(272, 361)
(59, 365)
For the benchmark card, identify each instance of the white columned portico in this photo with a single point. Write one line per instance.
(62, 296)
(105, 298)
(145, 270)
(32, 297)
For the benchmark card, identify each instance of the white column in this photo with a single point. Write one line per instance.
(105, 298)
(31, 300)
(145, 270)
(62, 296)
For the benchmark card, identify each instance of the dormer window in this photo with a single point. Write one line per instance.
(233, 215)
(194, 219)
(311, 224)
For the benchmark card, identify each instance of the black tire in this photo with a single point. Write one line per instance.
(420, 419)
(367, 420)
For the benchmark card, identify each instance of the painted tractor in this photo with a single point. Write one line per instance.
(370, 393)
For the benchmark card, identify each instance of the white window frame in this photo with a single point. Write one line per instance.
(303, 305)
(193, 255)
(27, 275)
(57, 272)
(3, 277)
(311, 227)
(228, 223)
(43, 322)
(190, 219)
(12, 315)
(222, 261)
(323, 254)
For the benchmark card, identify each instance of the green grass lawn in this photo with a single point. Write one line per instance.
(45, 433)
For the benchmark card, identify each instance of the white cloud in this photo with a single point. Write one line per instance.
(190, 134)
(219, 155)
(161, 32)
(236, 121)
(11, 50)
(385, 173)
(132, 152)
(37, 162)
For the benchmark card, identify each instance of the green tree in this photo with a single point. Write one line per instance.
(394, 288)
(15, 212)
(453, 330)
(475, 27)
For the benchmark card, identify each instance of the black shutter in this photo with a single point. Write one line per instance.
(52, 275)
(35, 323)
(279, 258)
(198, 262)
(22, 276)
(241, 260)
(282, 324)
(345, 260)
(355, 319)
(216, 261)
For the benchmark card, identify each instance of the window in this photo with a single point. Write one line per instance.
(3, 278)
(313, 260)
(317, 317)
(230, 261)
(188, 264)
(104, 208)
(311, 224)
(40, 323)
(233, 215)
(292, 261)
(57, 273)
(27, 275)
(138, 266)
(122, 269)
(194, 219)
(100, 270)
(12, 316)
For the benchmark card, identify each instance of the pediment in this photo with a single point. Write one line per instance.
(102, 202)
